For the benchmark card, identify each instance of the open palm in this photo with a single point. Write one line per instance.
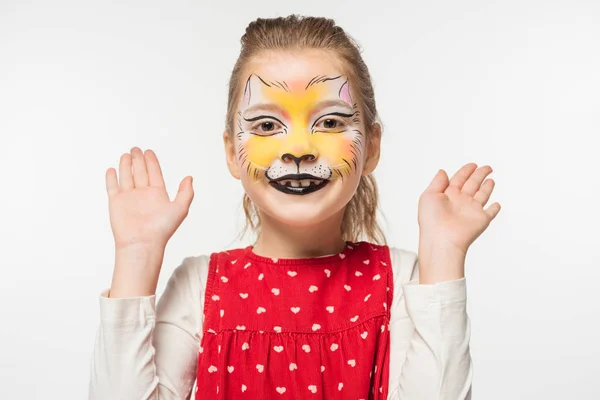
(451, 211)
(139, 205)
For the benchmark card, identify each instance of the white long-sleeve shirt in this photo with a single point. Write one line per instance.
(145, 351)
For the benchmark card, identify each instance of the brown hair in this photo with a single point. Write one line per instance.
(298, 32)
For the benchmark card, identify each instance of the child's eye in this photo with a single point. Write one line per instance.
(330, 125)
(267, 128)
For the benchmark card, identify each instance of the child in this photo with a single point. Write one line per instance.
(309, 310)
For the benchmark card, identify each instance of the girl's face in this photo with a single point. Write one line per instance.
(299, 145)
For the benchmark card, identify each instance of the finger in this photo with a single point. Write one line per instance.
(112, 186)
(140, 174)
(483, 194)
(461, 176)
(185, 194)
(125, 177)
(439, 183)
(473, 184)
(155, 176)
(493, 210)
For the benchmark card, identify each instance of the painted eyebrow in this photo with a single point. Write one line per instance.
(262, 107)
(332, 103)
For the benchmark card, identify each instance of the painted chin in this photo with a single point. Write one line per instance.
(298, 184)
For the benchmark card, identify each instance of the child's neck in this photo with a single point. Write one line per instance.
(278, 240)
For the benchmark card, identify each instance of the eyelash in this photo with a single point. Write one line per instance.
(337, 129)
(255, 129)
(278, 128)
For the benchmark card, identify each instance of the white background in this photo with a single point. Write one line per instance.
(513, 84)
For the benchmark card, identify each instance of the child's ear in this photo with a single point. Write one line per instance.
(373, 149)
(230, 155)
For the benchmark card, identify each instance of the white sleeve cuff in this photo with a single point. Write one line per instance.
(425, 295)
(127, 310)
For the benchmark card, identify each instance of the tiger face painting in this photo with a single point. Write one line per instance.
(299, 138)
(299, 144)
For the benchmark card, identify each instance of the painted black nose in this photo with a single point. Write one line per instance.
(287, 157)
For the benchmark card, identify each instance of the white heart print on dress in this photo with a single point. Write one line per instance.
(278, 349)
(275, 291)
(312, 388)
(293, 366)
(280, 390)
(295, 310)
(260, 368)
(329, 309)
(292, 273)
(306, 348)
(316, 327)
(313, 289)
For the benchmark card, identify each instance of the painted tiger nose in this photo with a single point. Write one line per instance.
(287, 157)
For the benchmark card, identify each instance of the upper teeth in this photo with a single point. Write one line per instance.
(298, 183)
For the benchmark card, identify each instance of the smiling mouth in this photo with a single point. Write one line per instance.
(298, 183)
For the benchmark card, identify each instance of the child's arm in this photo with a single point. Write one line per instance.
(451, 216)
(134, 357)
(143, 353)
(430, 330)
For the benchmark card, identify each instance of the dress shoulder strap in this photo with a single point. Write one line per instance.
(212, 294)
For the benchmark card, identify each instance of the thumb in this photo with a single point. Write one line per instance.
(185, 194)
(439, 183)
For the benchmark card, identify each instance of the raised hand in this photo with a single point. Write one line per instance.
(451, 216)
(142, 219)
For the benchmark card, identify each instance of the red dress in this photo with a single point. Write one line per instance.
(297, 328)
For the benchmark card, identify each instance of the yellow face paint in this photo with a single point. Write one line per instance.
(311, 130)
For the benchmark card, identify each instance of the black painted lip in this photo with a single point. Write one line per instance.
(297, 177)
(299, 190)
